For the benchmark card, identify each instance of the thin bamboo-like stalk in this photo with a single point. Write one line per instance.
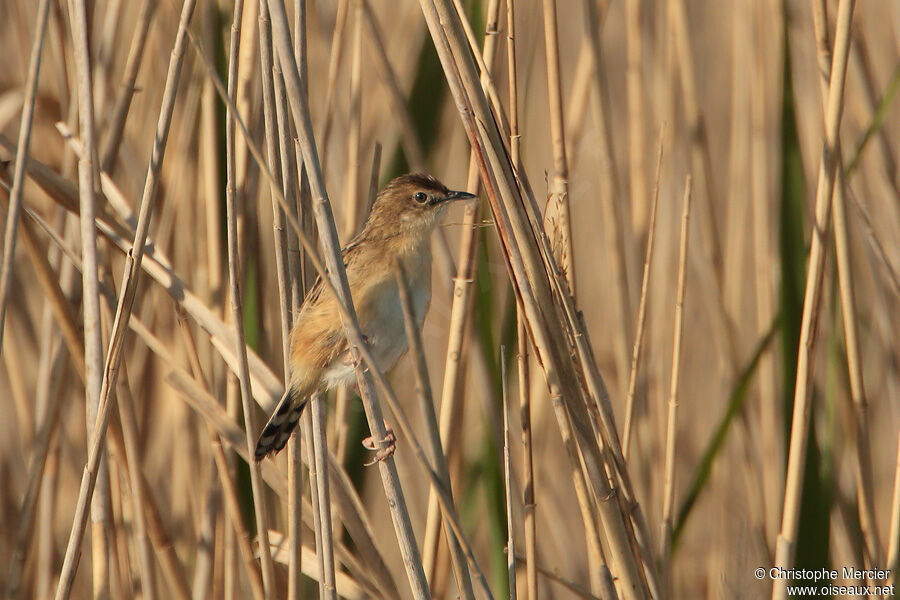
(41, 448)
(170, 566)
(307, 424)
(265, 383)
(771, 431)
(336, 273)
(634, 85)
(241, 534)
(785, 547)
(569, 585)
(352, 196)
(642, 306)
(508, 484)
(15, 194)
(93, 336)
(334, 62)
(516, 228)
(327, 585)
(234, 278)
(671, 422)
(616, 230)
(458, 326)
(116, 127)
(701, 163)
(863, 454)
(524, 374)
(132, 454)
(123, 310)
(432, 430)
(559, 186)
(409, 138)
(49, 384)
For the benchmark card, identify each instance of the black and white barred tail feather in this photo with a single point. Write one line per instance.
(281, 424)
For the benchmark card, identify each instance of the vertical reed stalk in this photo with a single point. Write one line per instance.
(15, 194)
(634, 84)
(862, 455)
(559, 188)
(235, 277)
(508, 484)
(426, 406)
(93, 336)
(126, 300)
(642, 307)
(672, 423)
(524, 375)
(459, 322)
(337, 275)
(786, 544)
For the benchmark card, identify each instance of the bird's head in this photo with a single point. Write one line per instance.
(410, 205)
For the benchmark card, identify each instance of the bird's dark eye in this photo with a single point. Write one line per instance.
(420, 197)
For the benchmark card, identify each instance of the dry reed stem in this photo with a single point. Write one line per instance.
(353, 199)
(616, 230)
(642, 306)
(508, 484)
(235, 277)
(568, 584)
(327, 587)
(672, 424)
(133, 457)
(287, 265)
(18, 182)
(347, 587)
(772, 439)
(524, 375)
(701, 162)
(559, 187)
(123, 310)
(169, 565)
(116, 127)
(862, 455)
(272, 122)
(409, 137)
(307, 424)
(93, 335)
(337, 275)
(167, 558)
(785, 546)
(41, 448)
(334, 62)
(232, 505)
(634, 85)
(563, 384)
(49, 384)
(349, 504)
(459, 323)
(432, 430)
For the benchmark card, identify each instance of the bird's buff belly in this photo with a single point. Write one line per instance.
(385, 336)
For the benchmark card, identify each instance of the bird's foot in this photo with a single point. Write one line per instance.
(390, 441)
(347, 357)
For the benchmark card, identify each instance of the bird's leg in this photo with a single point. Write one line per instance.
(390, 441)
(347, 356)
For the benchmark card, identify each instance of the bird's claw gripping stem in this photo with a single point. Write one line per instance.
(382, 453)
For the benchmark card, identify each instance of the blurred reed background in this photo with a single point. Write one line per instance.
(732, 92)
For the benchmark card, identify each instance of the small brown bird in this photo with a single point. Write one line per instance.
(399, 228)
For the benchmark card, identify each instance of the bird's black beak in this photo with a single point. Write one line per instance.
(459, 196)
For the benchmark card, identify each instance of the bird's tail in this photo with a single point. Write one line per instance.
(282, 422)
